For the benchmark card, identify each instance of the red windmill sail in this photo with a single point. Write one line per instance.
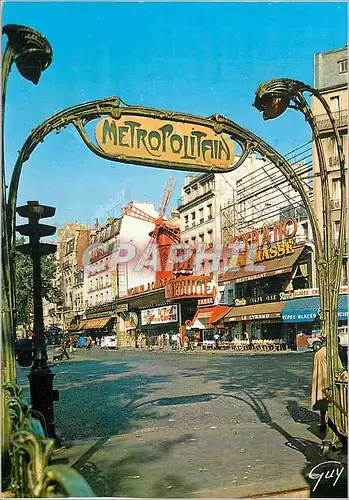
(163, 235)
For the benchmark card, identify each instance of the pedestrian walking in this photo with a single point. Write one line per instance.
(216, 338)
(88, 343)
(179, 341)
(186, 342)
(174, 341)
(71, 345)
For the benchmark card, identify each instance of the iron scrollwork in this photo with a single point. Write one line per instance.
(32, 474)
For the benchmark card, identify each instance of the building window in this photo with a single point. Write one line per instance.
(210, 235)
(193, 219)
(305, 231)
(201, 238)
(186, 221)
(201, 215)
(336, 227)
(345, 273)
(334, 103)
(336, 189)
(193, 240)
(209, 211)
(343, 66)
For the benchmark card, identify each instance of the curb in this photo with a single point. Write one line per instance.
(298, 493)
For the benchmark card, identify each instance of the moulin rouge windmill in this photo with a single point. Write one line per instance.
(163, 235)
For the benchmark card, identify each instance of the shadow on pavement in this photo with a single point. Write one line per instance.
(122, 477)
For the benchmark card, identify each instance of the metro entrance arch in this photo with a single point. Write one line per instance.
(170, 140)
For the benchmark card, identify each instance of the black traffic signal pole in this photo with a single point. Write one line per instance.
(41, 377)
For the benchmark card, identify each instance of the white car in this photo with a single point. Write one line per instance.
(315, 341)
(108, 342)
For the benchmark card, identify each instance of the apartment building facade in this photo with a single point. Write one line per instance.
(331, 79)
(71, 246)
(203, 196)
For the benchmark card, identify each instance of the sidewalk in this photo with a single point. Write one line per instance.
(226, 352)
(230, 462)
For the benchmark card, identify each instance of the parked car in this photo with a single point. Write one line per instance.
(108, 342)
(315, 341)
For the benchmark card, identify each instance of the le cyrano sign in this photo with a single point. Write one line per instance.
(148, 140)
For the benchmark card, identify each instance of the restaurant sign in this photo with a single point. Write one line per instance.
(159, 315)
(149, 140)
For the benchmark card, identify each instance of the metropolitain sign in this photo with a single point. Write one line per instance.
(156, 140)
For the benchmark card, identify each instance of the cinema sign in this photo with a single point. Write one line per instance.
(151, 140)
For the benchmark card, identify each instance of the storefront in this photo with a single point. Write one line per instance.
(98, 327)
(258, 321)
(301, 316)
(160, 320)
(203, 325)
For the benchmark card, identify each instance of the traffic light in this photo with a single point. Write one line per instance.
(24, 352)
(42, 393)
(34, 212)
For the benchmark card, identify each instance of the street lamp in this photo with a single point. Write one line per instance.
(273, 98)
(32, 54)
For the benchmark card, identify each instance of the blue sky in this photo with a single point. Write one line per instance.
(199, 58)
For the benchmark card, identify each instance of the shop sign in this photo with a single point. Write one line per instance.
(270, 233)
(159, 315)
(268, 252)
(206, 302)
(114, 284)
(131, 321)
(259, 276)
(190, 286)
(121, 308)
(202, 315)
(148, 140)
(250, 317)
(257, 300)
(306, 292)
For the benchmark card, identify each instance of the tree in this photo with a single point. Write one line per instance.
(24, 283)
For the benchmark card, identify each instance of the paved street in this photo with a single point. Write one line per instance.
(158, 424)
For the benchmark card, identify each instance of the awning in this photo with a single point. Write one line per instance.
(306, 309)
(73, 328)
(252, 312)
(263, 269)
(206, 316)
(90, 324)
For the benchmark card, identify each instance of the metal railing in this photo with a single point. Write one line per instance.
(335, 204)
(333, 162)
(32, 473)
(341, 119)
(189, 198)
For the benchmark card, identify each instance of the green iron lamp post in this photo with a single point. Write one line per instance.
(32, 54)
(273, 98)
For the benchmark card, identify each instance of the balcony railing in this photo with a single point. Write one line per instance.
(335, 204)
(341, 119)
(333, 162)
(188, 198)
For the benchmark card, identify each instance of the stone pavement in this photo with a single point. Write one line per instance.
(184, 461)
(177, 425)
